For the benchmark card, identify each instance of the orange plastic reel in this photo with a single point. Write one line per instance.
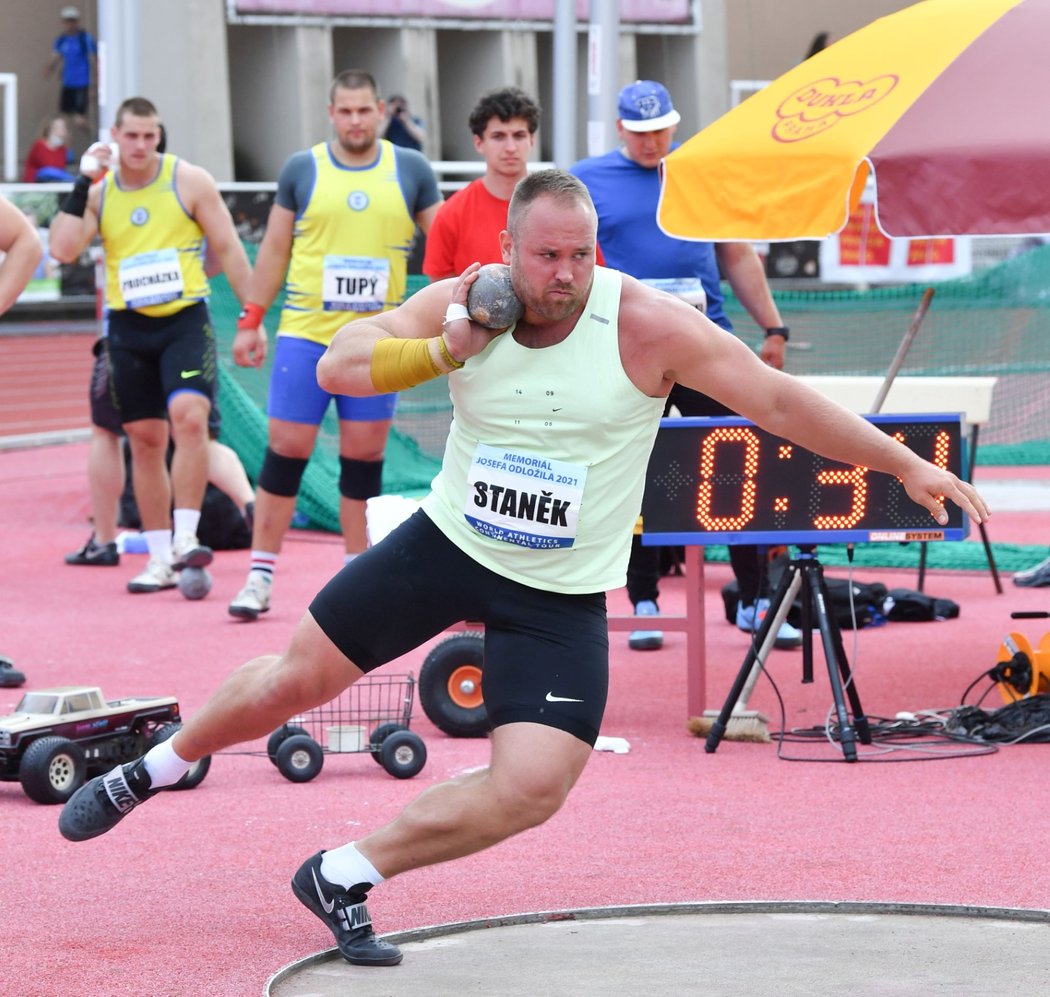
(1023, 670)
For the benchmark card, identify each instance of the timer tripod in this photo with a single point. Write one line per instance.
(804, 574)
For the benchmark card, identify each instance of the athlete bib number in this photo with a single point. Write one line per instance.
(524, 499)
(150, 278)
(355, 283)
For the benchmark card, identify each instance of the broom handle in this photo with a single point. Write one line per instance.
(902, 350)
(767, 645)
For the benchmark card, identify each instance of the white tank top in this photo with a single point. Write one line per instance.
(544, 466)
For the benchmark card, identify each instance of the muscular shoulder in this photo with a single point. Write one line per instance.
(656, 331)
(194, 177)
(192, 183)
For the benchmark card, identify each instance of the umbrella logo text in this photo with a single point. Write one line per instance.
(814, 108)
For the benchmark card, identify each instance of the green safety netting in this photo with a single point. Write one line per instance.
(994, 322)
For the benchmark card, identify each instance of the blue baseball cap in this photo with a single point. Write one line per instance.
(645, 106)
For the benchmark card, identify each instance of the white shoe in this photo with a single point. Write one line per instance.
(188, 552)
(254, 598)
(158, 575)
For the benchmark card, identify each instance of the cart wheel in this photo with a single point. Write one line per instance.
(195, 776)
(403, 754)
(299, 758)
(52, 769)
(450, 686)
(279, 736)
(379, 735)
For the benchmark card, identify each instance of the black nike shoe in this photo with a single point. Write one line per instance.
(101, 555)
(103, 802)
(346, 915)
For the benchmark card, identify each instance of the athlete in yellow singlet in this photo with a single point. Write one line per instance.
(341, 226)
(156, 214)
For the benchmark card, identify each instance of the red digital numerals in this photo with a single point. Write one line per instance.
(749, 488)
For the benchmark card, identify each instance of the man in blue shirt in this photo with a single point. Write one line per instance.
(625, 187)
(74, 50)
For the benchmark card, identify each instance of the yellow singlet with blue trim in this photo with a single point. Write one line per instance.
(350, 247)
(154, 249)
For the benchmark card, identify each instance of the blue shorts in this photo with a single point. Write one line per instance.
(295, 395)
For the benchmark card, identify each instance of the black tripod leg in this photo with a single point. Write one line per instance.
(860, 721)
(786, 590)
(818, 591)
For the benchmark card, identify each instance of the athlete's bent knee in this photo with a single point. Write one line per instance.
(360, 479)
(281, 475)
(532, 805)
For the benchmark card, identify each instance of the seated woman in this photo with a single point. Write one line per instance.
(49, 155)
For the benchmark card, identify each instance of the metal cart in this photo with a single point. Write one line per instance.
(372, 716)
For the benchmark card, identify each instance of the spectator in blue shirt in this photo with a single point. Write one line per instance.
(74, 50)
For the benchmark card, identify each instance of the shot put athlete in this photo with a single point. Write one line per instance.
(531, 514)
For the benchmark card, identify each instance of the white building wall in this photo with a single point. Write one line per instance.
(186, 77)
(240, 98)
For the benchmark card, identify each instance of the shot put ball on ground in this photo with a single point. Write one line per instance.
(194, 583)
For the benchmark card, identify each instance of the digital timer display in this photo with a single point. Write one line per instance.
(726, 481)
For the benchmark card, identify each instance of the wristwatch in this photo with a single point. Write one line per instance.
(779, 330)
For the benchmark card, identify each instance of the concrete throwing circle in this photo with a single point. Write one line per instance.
(791, 949)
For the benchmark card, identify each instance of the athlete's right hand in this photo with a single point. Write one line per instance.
(464, 337)
(250, 347)
(97, 159)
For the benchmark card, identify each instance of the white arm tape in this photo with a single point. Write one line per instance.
(455, 312)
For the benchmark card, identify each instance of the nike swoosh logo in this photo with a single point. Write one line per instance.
(551, 698)
(328, 905)
(186, 374)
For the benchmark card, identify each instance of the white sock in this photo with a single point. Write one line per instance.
(346, 866)
(164, 766)
(186, 521)
(158, 543)
(263, 562)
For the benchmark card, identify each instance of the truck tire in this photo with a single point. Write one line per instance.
(450, 686)
(195, 776)
(52, 769)
(299, 758)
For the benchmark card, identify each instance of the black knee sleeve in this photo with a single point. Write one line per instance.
(360, 479)
(281, 475)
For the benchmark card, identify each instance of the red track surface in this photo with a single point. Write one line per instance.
(190, 895)
(45, 382)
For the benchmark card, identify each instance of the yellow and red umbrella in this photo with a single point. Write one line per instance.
(946, 103)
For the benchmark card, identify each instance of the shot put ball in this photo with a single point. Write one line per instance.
(194, 583)
(491, 300)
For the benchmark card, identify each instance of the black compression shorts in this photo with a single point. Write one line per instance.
(104, 412)
(546, 653)
(152, 358)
